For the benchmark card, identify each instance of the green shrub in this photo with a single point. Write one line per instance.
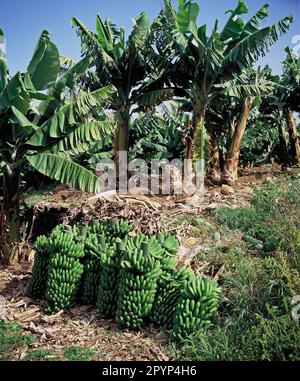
(240, 218)
(43, 354)
(270, 337)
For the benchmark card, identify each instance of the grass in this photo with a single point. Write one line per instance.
(78, 354)
(69, 353)
(274, 218)
(254, 321)
(42, 354)
(12, 337)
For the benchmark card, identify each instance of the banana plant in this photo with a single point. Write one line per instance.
(39, 125)
(271, 113)
(227, 117)
(197, 62)
(288, 98)
(279, 106)
(127, 64)
(248, 88)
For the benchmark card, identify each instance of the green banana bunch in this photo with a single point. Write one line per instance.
(65, 268)
(168, 293)
(37, 286)
(110, 253)
(92, 268)
(198, 300)
(138, 283)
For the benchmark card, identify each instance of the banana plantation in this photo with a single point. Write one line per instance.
(149, 190)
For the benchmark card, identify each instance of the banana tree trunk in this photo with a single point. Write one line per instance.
(194, 168)
(294, 141)
(197, 155)
(230, 173)
(214, 168)
(11, 202)
(189, 148)
(195, 142)
(222, 159)
(283, 146)
(121, 142)
(198, 143)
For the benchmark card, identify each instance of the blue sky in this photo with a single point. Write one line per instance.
(23, 21)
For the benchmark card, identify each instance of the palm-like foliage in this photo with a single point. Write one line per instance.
(197, 62)
(127, 65)
(39, 128)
